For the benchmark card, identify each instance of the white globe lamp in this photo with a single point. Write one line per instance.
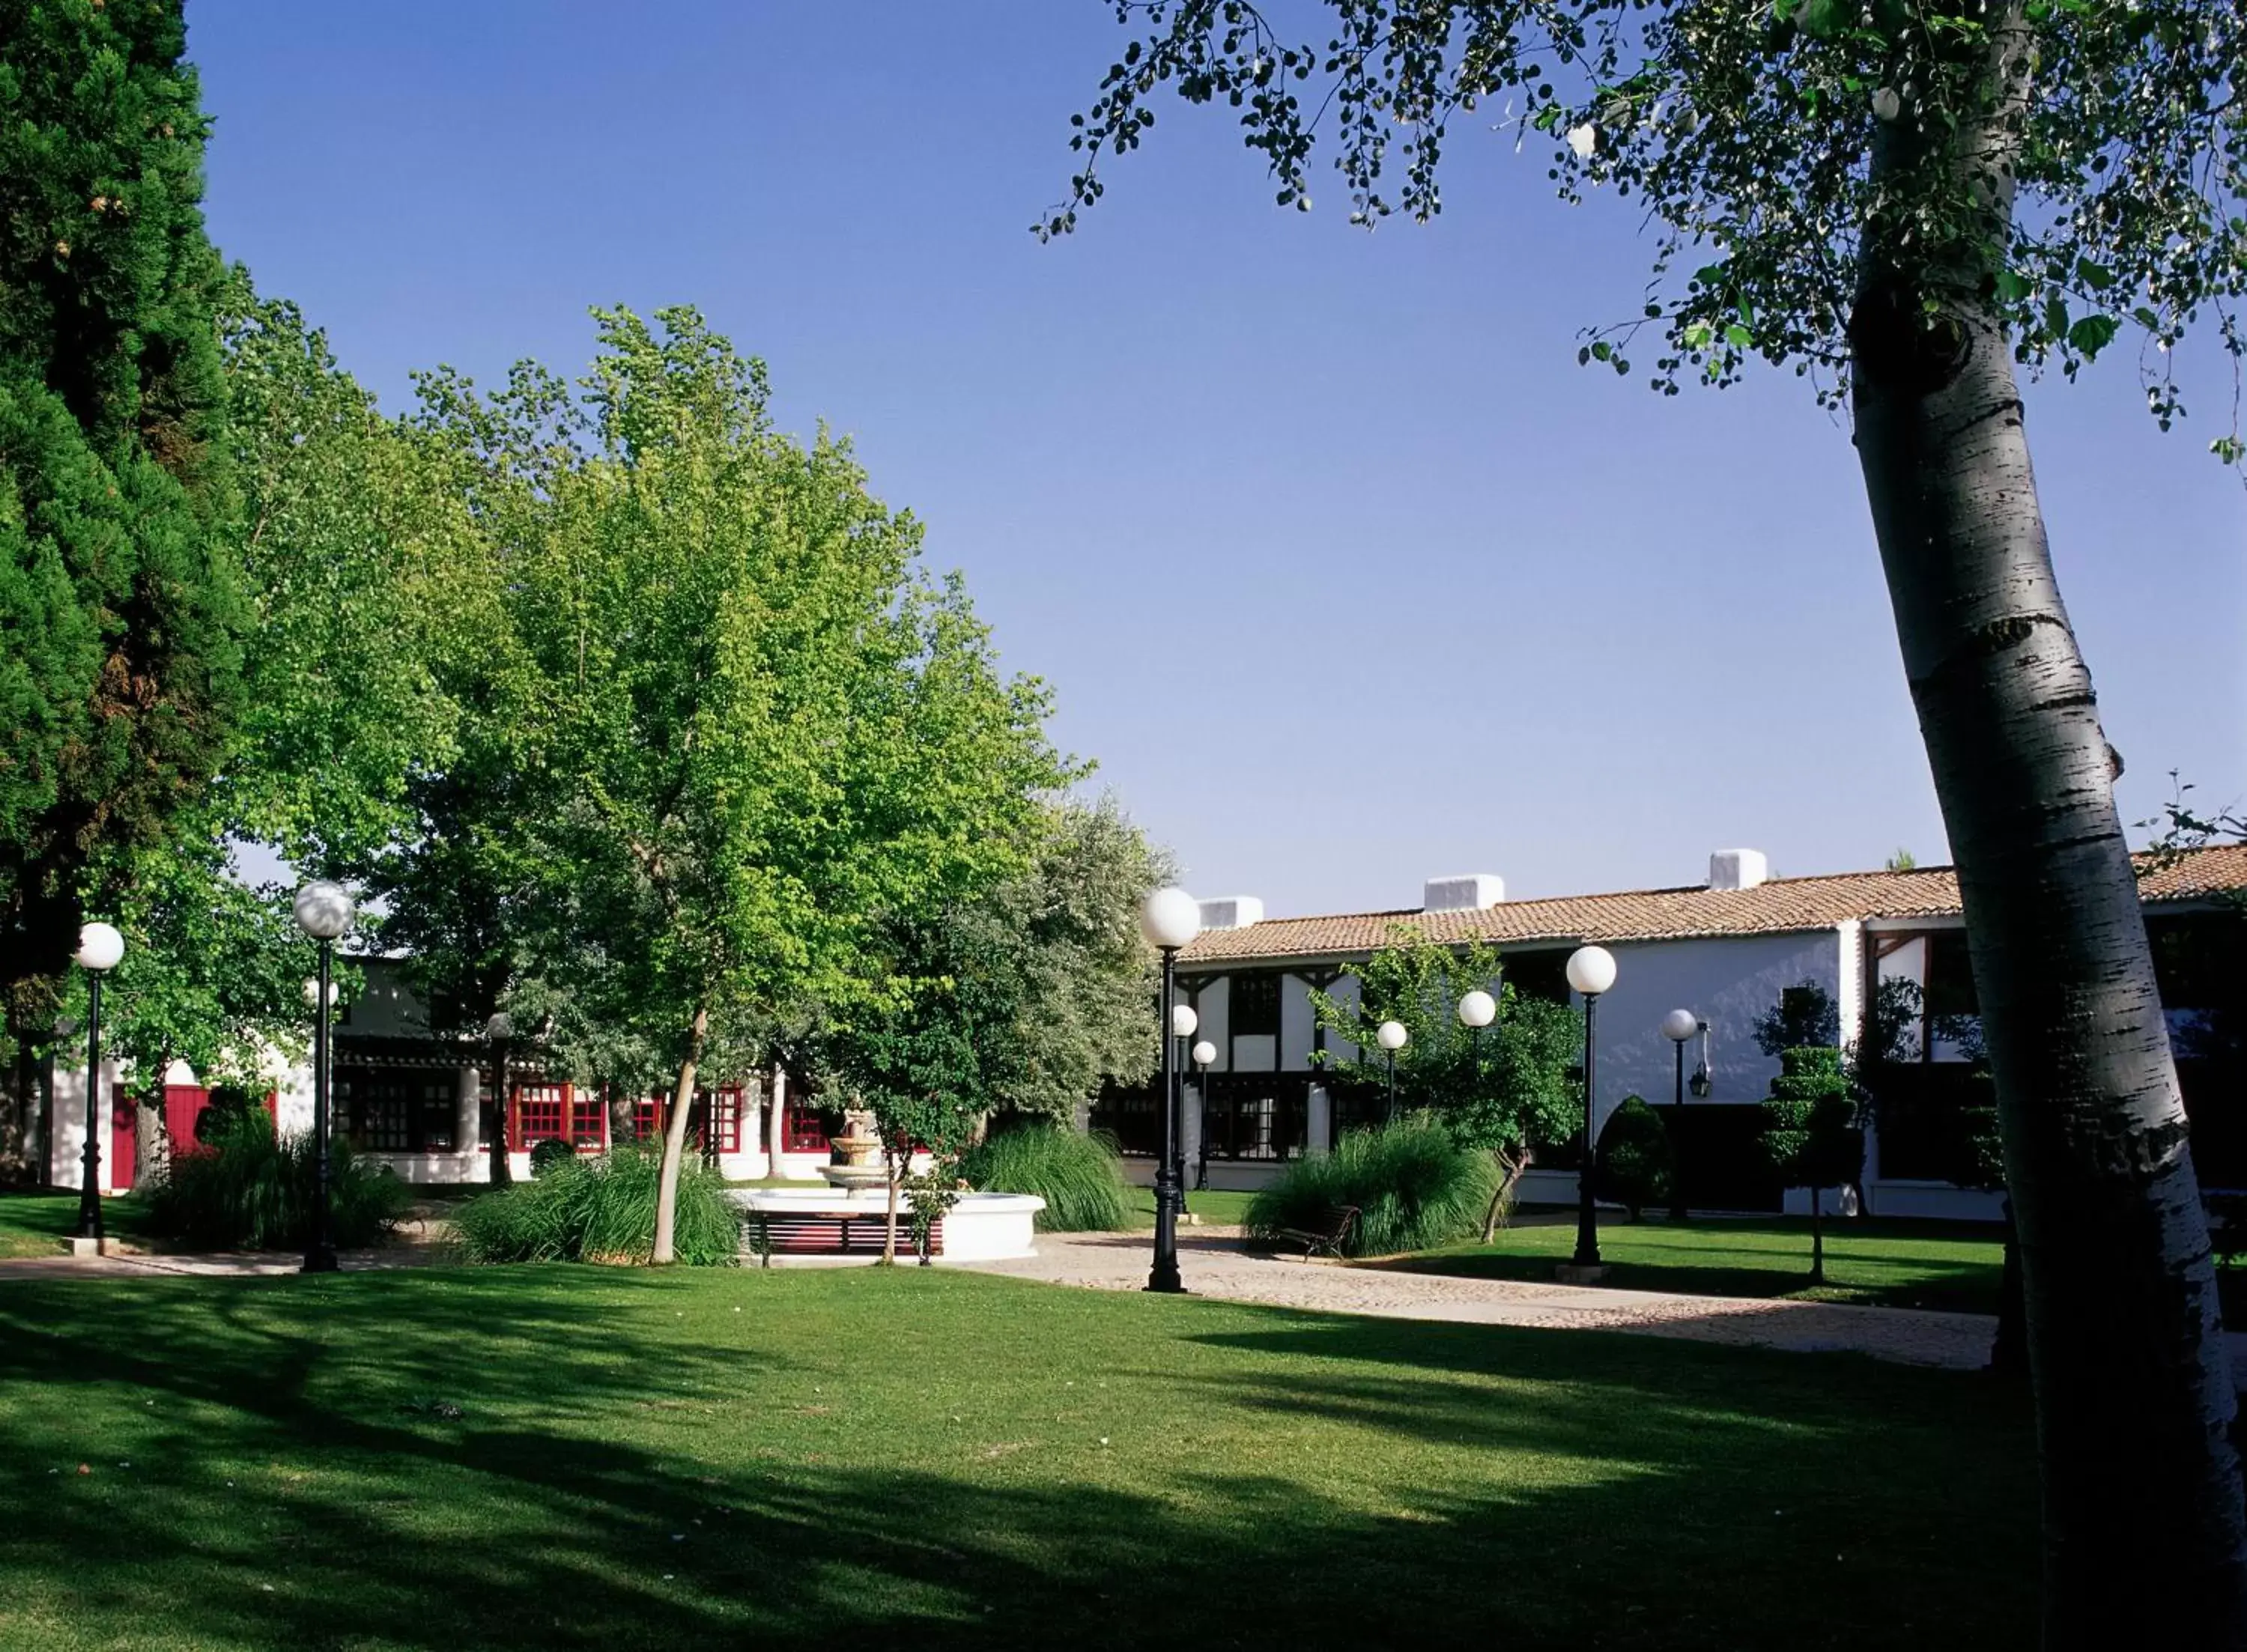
(1591, 970)
(1170, 918)
(1183, 1021)
(1392, 1037)
(1478, 1009)
(323, 909)
(99, 947)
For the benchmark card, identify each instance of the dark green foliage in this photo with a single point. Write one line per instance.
(1805, 1015)
(1079, 1175)
(600, 1211)
(1811, 1133)
(1810, 1121)
(118, 607)
(252, 1189)
(1634, 1167)
(1414, 1187)
(545, 1155)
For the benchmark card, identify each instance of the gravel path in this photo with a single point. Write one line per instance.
(1222, 1267)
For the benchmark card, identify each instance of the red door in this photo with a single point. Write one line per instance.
(117, 1170)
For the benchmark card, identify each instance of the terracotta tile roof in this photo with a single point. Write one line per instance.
(1780, 905)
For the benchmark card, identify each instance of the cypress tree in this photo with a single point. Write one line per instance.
(118, 617)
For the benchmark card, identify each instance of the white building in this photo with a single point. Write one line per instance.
(415, 1101)
(1727, 950)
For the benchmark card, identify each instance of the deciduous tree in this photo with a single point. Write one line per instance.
(1903, 203)
(763, 731)
(1506, 1092)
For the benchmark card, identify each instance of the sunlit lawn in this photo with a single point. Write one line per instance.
(36, 1224)
(1211, 1207)
(1901, 1264)
(586, 1457)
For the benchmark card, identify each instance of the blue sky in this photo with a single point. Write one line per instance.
(1339, 566)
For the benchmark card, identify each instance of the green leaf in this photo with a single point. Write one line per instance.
(2093, 334)
(1738, 336)
(2013, 287)
(1601, 351)
(2097, 277)
(2055, 318)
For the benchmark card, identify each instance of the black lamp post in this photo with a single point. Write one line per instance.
(1183, 1023)
(1204, 1054)
(323, 911)
(100, 946)
(1678, 1027)
(1169, 920)
(1392, 1037)
(1591, 971)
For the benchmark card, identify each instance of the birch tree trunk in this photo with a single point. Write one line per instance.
(2145, 1542)
(675, 1145)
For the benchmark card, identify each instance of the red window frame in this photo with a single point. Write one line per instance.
(722, 1119)
(802, 1130)
(589, 1118)
(536, 1113)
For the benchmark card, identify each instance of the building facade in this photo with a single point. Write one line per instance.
(1728, 949)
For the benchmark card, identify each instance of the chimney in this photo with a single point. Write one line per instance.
(1467, 892)
(1737, 869)
(1232, 911)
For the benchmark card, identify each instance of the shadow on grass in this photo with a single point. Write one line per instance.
(1865, 1263)
(1312, 1480)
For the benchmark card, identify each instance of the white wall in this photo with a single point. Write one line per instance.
(1296, 1026)
(1727, 982)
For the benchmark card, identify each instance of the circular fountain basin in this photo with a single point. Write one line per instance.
(981, 1227)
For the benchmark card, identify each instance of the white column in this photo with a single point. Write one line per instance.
(775, 1117)
(467, 1132)
(1190, 1143)
(1318, 1134)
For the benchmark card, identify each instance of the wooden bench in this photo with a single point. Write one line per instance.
(1327, 1236)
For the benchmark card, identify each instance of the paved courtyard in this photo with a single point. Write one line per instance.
(1222, 1267)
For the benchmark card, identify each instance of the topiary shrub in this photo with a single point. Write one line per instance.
(546, 1154)
(1414, 1187)
(1079, 1174)
(600, 1210)
(1811, 1135)
(1633, 1167)
(246, 1187)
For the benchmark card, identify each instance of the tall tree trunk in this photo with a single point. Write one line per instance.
(895, 1158)
(2144, 1537)
(1509, 1178)
(499, 1174)
(674, 1144)
(1817, 1238)
(2009, 1351)
(152, 1141)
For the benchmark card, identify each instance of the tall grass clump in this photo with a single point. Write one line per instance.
(600, 1210)
(1414, 1188)
(1080, 1176)
(248, 1187)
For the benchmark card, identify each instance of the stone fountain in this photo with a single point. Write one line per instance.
(858, 1161)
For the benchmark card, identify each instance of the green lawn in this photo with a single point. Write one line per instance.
(1216, 1209)
(36, 1224)
(1897, 1264)
(586, 1457)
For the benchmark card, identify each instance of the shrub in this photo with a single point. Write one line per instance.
(1080, 1176)
(1634, 1167)
(246, 1186)
(1414, 1188)
(600, 1210)
(546, 1154)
